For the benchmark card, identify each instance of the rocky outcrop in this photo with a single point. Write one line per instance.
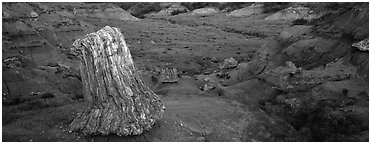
(204, 11)
(362, 45)
(253, 9)
(229, 63)
(290, 78)
(106, 12)
(294, 13)
(171, 10)
(33, 14)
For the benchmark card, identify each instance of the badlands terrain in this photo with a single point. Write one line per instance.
(244, 71)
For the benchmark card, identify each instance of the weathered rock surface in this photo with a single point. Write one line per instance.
(290, 78)
(106, 12)
(204, 11)
(33, 14)
(229, 63)
(119, 102)
(293, 13)
(170, 10)
(362, 45)
(169, 75)
(253, 9)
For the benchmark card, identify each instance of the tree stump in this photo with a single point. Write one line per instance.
(118, 101)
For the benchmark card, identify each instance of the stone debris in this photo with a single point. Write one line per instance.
(210, 85)
(33, 15)
(169, 75)
(229, 63)
(361, 45)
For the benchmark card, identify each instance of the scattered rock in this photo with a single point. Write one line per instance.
(229, 63)
(34, 93)
(169, 75)
(209, 85)
(290, 78)
(362, 45)
(14, 61)
(33, 14)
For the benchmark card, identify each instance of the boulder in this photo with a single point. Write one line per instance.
(361, 45)
(33, 14)
(229, 63)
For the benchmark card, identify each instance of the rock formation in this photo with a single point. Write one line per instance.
(118, 101)
(253, 9)
(169, 75)
(229, 63)
(361, 45)
(204, 11)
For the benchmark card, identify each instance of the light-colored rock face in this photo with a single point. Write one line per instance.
(204, 11)
(110, 12)
(33, 15)
(169, 75)
(253, 9)
(294, 13)
(362, 45)
(172, 8)
(229, 63)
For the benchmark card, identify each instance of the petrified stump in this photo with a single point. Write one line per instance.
(118, 101)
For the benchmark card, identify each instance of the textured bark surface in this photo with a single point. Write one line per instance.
(118, 101)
